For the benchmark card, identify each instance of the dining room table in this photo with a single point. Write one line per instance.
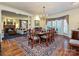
(41, 34)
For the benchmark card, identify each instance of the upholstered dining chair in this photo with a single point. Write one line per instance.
(33, 38)
(49, 37)
(46, 37)
(52, 35)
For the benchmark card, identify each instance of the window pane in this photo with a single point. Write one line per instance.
(49, 24)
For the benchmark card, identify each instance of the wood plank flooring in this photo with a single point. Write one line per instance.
(0, 48)
(11, 48)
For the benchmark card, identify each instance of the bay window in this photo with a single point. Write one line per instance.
(60, 24)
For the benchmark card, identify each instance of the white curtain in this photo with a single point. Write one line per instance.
(65, 26)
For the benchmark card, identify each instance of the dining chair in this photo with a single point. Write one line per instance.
(52, 35)
(29, 34)
(49, 37)
(33, 38)
(46, 37)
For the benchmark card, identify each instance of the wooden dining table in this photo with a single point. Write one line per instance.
(40, 34)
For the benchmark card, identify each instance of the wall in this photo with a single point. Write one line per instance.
(0, 27)
(41, 21)
(73, 18)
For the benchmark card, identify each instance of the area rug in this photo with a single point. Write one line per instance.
(41, 50)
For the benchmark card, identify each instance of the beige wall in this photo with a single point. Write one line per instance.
(41, 21)
(0, 28)
(73, 18)
(33, 22)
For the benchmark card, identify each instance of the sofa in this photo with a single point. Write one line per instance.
(21, 31)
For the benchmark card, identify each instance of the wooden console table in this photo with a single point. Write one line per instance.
(75, 39)
(75, 34)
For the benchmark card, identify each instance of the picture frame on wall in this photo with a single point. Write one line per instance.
(24, 23)
(10, 21)
(37, 23)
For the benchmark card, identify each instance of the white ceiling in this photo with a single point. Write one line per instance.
(37, 7)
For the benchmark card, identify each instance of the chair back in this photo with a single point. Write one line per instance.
(32, 32)
(48, 34)
(53, 33)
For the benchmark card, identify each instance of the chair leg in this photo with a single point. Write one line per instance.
(39, 41)
(53, 39)
(50, 40)
(32, 43)
(47, 42)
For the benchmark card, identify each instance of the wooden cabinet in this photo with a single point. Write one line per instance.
(75, 34)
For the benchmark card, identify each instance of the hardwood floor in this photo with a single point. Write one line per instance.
(0, 48)
(65, 52)
(10, 48)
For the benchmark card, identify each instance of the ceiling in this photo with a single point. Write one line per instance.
(37, 7)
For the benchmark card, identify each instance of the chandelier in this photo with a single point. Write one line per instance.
(44, 13)
(43, 16)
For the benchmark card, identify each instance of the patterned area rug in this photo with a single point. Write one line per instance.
(42, 50)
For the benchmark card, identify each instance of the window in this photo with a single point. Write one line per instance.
(60, 25)
(49, 24)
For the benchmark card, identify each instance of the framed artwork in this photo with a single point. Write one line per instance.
(37, 23)
(10, 21)
(24, 23)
